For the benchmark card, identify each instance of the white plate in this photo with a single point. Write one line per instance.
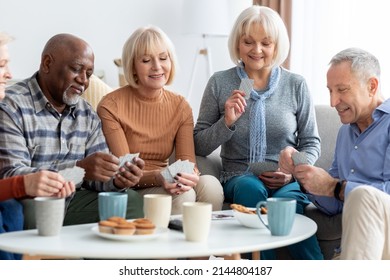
(157, 233)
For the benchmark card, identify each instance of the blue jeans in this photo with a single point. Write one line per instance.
(11, 219)
(248, 190)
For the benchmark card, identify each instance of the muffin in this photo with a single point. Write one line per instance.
(144, 226)
(117, 220)
(124, 228)
(107, 226)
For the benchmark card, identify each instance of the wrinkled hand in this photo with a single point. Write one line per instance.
(47, 183)
(286, 163)
(234, 107)
(131, 175)
(275, 180)
(315, 180)
(99, 166)
(67, 190)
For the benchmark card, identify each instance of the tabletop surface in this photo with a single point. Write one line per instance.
(227, 236)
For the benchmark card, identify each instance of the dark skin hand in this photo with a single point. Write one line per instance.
(131, 175)
(99, 166)
(102, 167)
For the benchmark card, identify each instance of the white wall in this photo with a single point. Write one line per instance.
(106, 25)
(322, 28)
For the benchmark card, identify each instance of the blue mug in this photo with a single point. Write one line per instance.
(112, 204)
(280, 214)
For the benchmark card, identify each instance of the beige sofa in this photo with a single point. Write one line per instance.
(329, 227)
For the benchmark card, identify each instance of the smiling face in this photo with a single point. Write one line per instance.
(353, 99)
(256, 49)
(5, 74)
(153, 70)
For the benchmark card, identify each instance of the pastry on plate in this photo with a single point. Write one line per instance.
(125, 228)
(144, 226)
(107, 226)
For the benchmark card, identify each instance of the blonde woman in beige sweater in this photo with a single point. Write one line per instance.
(144, 117)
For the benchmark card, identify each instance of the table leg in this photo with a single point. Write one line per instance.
(44, 257)
(256, 255)
(234, 256)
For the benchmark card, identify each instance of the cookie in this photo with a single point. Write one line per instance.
(243, 209)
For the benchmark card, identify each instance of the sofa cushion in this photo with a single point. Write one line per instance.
(329, 227)
(328, 123)
(95, 91)
(210, 165)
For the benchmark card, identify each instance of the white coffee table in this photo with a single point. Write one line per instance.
(227, 237)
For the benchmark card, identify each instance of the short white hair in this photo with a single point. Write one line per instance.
(273, 26)
(363, 64)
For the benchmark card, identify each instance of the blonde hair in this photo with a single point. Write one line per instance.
(146, 40)
(5, 38)
(273, 26)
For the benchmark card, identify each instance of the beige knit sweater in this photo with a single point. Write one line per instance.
(153, 127)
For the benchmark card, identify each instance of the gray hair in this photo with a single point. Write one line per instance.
(273, 26)
(363, 64)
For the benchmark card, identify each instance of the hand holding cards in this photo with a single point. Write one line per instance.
(246, 86)
(258, 168)
(180, 166)
(299, 158)
(74, 174)
(127, 158)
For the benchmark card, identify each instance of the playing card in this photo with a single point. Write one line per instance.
(299, 158)
(258, 168)
(178, 166)
(175, 168)
(74, 174)
(126, 158)
(167, 175)
(187, 167)
(246, 86)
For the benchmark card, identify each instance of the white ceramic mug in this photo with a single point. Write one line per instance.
(196, 221)
(157, 208)
(49, 215)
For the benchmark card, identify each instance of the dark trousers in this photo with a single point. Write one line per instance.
(84, 207)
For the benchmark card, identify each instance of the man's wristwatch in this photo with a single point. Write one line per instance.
(337, 189)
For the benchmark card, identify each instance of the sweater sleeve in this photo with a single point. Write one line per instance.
(184, 140)
(113, 132)
(12, 187)
(210, 130)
